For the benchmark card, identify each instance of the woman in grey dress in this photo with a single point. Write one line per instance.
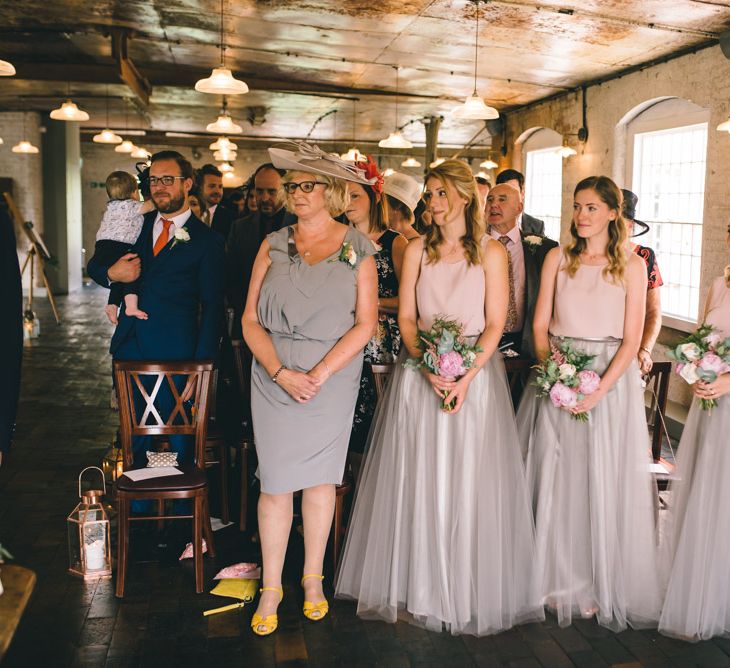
(311, 308)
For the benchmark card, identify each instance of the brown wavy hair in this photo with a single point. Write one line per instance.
(459, 175)
(378, 216)
(610, 194)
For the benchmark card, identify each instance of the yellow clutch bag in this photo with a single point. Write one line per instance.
(240, 588)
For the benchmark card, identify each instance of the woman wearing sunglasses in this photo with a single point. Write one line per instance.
(311, 308)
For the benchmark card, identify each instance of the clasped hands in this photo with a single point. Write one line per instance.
(452, 391)
(302, 387)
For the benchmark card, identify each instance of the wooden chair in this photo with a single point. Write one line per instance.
(145, 420)
(217, 442)
(657, 383)
(243, 441)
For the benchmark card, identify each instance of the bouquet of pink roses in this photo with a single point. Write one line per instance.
(703, 355)
(566, 377)
(444, 351)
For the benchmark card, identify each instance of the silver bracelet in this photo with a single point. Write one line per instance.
(646, 350)
(275, 377)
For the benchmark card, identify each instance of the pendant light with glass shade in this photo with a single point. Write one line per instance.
(437, 162)
(221, 81)
(488, 164)
(474, 107)
(6, 69)
(140, 152)
(724, 126)
(224, 125)
(225, 167)
(107, 136)
(353, 154)
(68, 111)
(224, 155)
(410, 162)
(221, 143)
(24, 146)
(388, 172)
(395, 139)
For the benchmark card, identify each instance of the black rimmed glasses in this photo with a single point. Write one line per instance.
(164, 180)
(306, 186)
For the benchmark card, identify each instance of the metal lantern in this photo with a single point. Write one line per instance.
(89, 545)
(113, 463)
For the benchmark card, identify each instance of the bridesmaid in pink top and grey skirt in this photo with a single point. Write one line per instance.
(592, 493)
(697, 605)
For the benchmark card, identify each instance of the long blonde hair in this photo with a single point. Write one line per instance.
(459, 175)
(610, 194)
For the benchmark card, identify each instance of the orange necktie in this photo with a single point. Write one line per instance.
(164, 236)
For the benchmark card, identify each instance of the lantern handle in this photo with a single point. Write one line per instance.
(101, 473)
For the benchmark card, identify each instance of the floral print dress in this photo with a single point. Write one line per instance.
(383, 348)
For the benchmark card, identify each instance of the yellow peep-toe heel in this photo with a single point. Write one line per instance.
(264, 626)
(315, 611)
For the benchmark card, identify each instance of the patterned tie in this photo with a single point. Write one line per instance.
(164, 236)
(512, 307)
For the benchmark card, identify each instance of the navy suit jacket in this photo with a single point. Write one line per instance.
(222, 221)
(181, 290)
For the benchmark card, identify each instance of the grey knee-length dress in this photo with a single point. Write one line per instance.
(306, 310)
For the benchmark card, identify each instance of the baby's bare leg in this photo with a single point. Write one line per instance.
(111, 313)
(131, 303)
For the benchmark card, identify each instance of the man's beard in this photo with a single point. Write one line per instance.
(173, 204)
(269, 209)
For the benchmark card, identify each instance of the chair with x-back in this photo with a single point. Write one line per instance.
(141, 388)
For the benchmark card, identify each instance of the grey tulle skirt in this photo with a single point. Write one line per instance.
(697, 604)
(441, 532)
(594, 503)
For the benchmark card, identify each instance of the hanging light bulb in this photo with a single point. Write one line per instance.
(410, 162)
(140, 152)
(225, 167)
(474, 107)
(436, 162)
(221, 81)
(24, 146)
(68, 111)
(566, 151)
(224, 155)
(488, 164)
(224, 125)
(221, 143)
(107, 136)
(231, 180)
(395, 139)
(6, 69)
(724, 126)
(125, 147)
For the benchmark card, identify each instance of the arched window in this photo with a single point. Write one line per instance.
(666, 165)
(544, 178)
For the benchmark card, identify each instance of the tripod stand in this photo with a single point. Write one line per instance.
(37, 250)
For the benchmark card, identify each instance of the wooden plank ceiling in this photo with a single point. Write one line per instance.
(302, 59)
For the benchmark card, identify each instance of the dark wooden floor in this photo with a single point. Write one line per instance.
(65, 424)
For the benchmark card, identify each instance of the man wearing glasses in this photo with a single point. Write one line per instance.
(180, 261)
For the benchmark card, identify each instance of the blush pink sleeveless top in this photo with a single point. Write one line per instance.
(587, 305)
(718, 311)
(455, 291)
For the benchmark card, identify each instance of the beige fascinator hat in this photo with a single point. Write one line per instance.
(404, 188)
(312, 159)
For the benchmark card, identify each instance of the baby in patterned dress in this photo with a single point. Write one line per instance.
(119, 229)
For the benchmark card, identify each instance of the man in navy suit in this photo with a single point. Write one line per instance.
(210, 182)
(525, 222)
(182, 279)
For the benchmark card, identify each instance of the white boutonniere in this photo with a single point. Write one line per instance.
(347, 255)
(533, 242)
(181, 235)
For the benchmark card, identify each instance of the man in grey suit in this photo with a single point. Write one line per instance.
(527, 223)
(526, 254)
